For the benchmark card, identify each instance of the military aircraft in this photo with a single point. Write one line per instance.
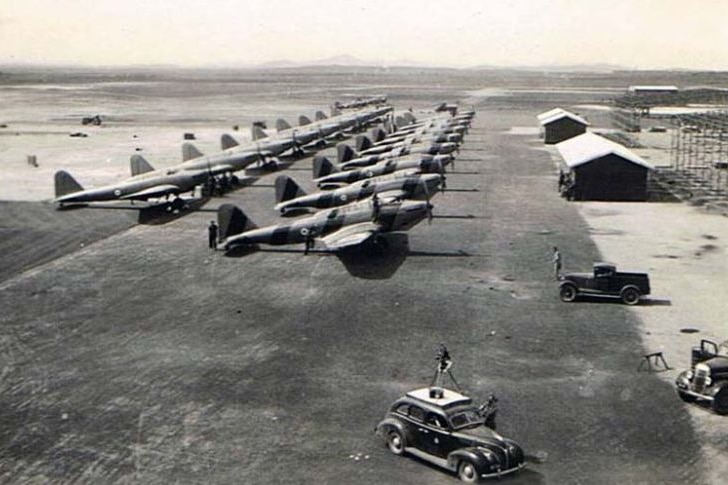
(336, 229)
(359, 102)
(148, 184)
(327, 176)
(292, 198)
(365, 146)
(348, 159)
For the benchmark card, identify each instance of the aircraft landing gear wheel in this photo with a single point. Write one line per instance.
(630, 296)
(467, 472)
(720, 401)
(568, 293)
(395, 442)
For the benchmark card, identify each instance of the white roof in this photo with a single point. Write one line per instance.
(557, 114)
(652, 88)
(448, 397)
(588, 147)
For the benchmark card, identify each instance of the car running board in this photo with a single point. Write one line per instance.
(441, 462)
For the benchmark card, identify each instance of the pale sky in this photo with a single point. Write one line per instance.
(629, 33)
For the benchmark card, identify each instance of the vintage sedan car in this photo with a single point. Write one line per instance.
(605, 281)
(445, 428)
(707, 378)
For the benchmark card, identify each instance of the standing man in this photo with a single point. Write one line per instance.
(556, 260)
(212, 234)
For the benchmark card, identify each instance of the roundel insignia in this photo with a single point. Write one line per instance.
(305, 231)
(368, 173)
(343, 197)
(117, 192)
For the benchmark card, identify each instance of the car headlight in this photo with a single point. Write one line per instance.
(689, 375)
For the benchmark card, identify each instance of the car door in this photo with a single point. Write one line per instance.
(438, 436)
(419, 435)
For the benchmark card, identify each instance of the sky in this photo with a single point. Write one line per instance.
(644, 34)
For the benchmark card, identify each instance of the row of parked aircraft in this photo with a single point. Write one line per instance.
(383, 184)
(218, 169)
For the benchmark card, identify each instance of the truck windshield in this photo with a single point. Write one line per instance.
(466, 419)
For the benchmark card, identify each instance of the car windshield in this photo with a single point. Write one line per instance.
(466, 419)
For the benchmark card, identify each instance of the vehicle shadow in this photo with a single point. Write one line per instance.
(615, 300)
(526, 476)
(161, 214)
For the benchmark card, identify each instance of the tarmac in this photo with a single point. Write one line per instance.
(144, 357)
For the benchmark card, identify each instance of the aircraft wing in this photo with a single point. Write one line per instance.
(156, 191)
(391, 196)
(350, 235)
(224, 168)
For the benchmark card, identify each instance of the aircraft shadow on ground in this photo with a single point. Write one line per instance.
(372, 261)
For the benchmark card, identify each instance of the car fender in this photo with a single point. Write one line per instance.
(473, 455)
(682, 380)
(568, 283)
(715, 388)
(390, 423)
(627, 287)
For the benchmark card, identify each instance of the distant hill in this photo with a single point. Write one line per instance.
(598, 68)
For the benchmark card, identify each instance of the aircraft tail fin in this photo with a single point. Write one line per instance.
(362, 143)
(287, 189)
(304, 120)
(344, 153)
(139, 165)
(65, 184)
(378, 134)
(190, 152)
(322, 167)
(282, 125)
(409, 117)
(320, 115)
(232, 221)
(227, 141)
(258, 133)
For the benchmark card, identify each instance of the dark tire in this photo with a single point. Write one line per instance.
(720, 401)
(568, 293)
(467, 472)
(689, 398)
(630, 296)
(396, 442)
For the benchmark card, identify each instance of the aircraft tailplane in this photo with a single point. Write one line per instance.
(304, 120)
(320, 115)
(287, 189)
(344, 153)
(227, 141)
(232, 221)
(322, 167)
(65, 184)
(139, 165)
(190, 152)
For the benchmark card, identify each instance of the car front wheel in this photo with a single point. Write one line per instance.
(630, 296)
(568, 293)
(467, 472)
(395, 442)
(720, 401)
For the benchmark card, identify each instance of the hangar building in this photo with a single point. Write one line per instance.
(559, 125)
(600, 169)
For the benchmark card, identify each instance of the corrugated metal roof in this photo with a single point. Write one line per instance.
(558, 113)
(588, 147)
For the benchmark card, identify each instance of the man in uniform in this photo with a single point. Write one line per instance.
(556, 260)
(212, 235)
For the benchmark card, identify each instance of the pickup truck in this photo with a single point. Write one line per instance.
(605, 281)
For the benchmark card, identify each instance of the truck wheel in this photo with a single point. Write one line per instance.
(568, 293)
(685, 396)
(395, 442)
(630, 296)
(720, 400)
(467, 472)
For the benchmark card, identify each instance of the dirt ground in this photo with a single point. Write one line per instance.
(143, 357)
